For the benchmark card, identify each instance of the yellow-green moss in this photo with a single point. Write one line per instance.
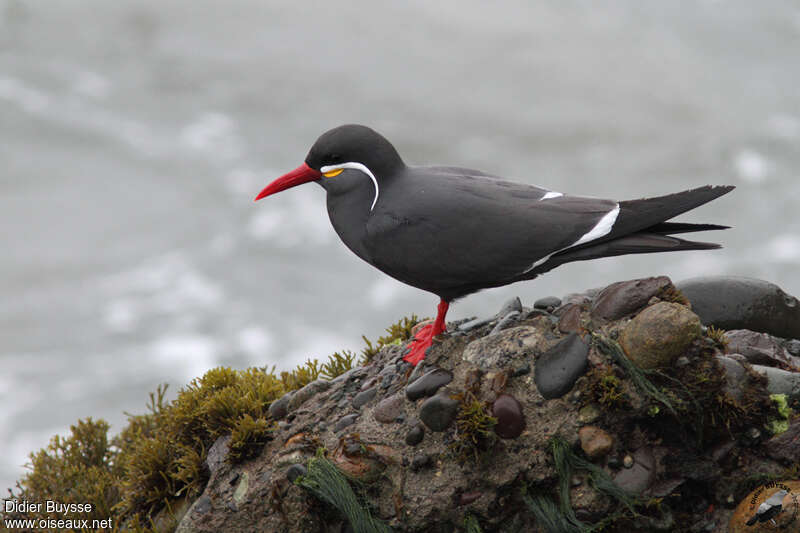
(474, 429)
(397, 333)
(717, 335)
(158, 458)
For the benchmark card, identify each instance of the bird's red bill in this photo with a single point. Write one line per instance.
(298, 176)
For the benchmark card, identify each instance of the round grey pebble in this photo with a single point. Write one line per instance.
(428, 384)
(438, 412)
(557, 370)
(364, 397)
(344, 422)
(415, 436)
(295, 471)
(548, 303)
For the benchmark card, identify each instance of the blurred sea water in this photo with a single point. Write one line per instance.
(134, 135)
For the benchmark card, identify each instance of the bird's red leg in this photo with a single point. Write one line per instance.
(422, 340)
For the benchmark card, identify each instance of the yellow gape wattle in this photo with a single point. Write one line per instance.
(333, 173)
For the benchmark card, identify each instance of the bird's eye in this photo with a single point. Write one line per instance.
(334, 158)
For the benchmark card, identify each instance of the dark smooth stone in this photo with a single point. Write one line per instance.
(548, 303)
(510, 419)
(438, 412)
(295, 471)
(731, 302)
(280, 407)
(202, 505)
(626, 297)
(345, 421)
(476, 323)
(735, 376)
(420, 461)
(416, 435)
(556, 371)
(312, 389)
(364, 397)
(217, 453)
(428, 384)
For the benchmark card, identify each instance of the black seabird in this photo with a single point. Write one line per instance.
(454, 231)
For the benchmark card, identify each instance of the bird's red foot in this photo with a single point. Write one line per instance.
(424, 337)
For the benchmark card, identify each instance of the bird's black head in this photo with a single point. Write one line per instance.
(346, 147)
(354, 144)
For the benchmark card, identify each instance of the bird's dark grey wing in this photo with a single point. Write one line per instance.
(489, 232)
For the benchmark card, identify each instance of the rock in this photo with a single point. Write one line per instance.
(312, 389)
(626, 297)
(438, 412)
(416, 435)
(641, 473)
(355, 464)
(420, 461)
(548, 303)
(475, 323)
(241, 489)
(760, 348)
(295, 471)
(627, 461)
(510, 419)
(389, 409)
(660, 334)
(510, 306)
(501, 349)
(731, 302)
(345, 421)
(505, 322)
(217, 454)
(735, 376)
(589, 413)
(428, 384)
(784, 519)
(364, 397)
(557, 370)
(570, 320)
(780, 381)
(280, 407)
(786, 446)
(595, 441)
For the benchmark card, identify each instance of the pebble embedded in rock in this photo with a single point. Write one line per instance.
(280, 407)
(510, 419)
(389, 409)
(781, 381)
(364, 397)
(570, 319)
(589, 413)
(344, 422)
(505, 322)
(640, 475)
(556, 371)
(415, 436)
(626, 297)
(627, 461)
(660, 334)
(735, 376)
(420, 461)
(548, 303)
(731, 302)
(312, 389)
(595, 441)
(502, 348)
(295, 471)
(514, 304)
(760, 348)
(438, 412)
(217, 453)
(428, 384)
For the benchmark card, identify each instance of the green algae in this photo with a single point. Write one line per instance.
(328, 484)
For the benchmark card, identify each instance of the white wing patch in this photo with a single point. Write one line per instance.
(357, 166)
(551, 194)
(601, 229)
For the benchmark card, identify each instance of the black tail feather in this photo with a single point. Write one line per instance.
(672, 228)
